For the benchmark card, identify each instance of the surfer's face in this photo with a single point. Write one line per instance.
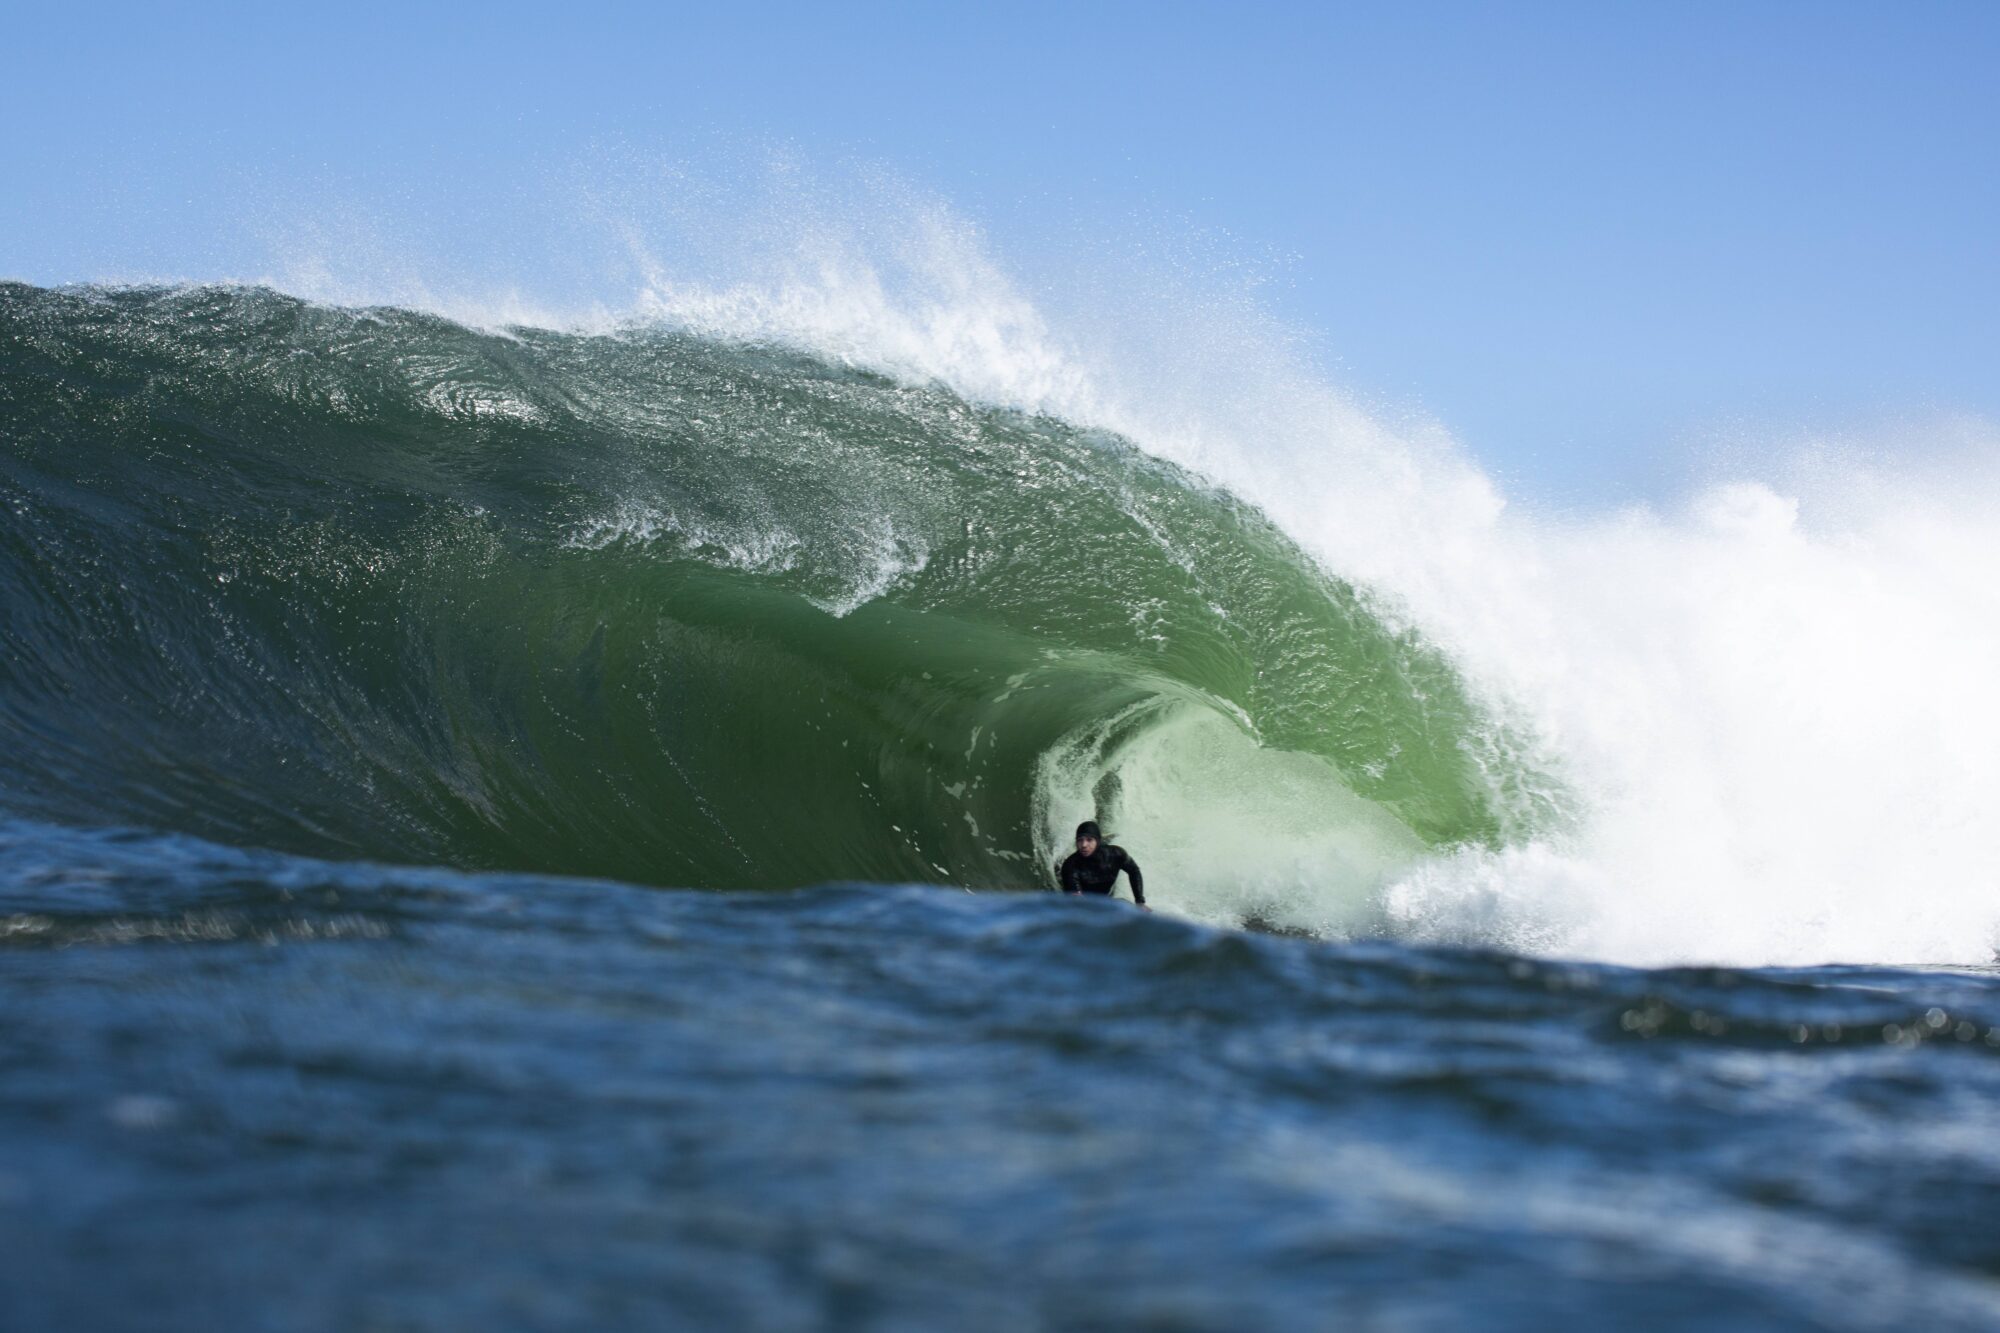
(1088, 846)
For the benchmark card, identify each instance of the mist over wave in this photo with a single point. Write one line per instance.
(1757, 726)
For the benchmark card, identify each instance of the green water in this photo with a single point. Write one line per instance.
(642, 605)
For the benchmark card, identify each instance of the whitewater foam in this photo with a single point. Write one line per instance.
(1244, 833)
(870, 557)
(754, 551)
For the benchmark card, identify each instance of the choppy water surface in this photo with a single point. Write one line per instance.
(249, 1090)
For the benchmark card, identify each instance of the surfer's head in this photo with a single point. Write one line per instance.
(1087, 837)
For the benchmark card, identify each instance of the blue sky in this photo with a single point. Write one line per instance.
(1591, 239)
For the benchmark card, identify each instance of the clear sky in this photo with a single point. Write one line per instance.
(1586, 237)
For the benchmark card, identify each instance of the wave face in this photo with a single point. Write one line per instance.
(679, 610)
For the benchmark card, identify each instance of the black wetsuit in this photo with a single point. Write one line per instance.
(1099, 873)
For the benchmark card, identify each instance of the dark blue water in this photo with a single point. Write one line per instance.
(245, 1090)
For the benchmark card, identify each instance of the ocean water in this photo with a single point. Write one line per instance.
(246, 1089)
(549, 824)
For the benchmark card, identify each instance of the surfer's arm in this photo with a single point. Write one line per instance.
(1066, 878)
(1138, 880)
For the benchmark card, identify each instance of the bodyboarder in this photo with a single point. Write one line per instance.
(1093, 867)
